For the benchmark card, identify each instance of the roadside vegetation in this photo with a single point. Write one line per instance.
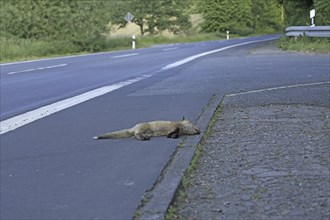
(305, 44)
(32, 29)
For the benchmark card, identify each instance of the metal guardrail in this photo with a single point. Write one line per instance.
(316, 31)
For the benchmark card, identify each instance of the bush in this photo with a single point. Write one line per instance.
(242, 30)
(13, 48)
(16, 48)
(305, 44)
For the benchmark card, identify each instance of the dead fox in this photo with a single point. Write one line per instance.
(144, 131)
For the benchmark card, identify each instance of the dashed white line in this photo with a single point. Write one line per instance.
(125, 55)
(21, 71)
(54, 58)
(40, 68)
(171, 48)
(31, 116)
(49, 67)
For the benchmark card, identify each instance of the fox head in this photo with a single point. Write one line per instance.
(189, 128)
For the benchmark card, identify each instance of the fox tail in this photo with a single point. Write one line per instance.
(116, 134)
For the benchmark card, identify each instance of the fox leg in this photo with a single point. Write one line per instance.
(144, 135)
(174, 134)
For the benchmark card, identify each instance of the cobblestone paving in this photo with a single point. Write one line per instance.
(263, 162)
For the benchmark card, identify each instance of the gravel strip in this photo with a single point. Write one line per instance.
(268, 160)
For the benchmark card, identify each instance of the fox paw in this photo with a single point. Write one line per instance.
(174, 134)
(143, 137)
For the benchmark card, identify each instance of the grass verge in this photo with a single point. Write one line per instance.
(18, 49)
(305, 44)
(148, 41)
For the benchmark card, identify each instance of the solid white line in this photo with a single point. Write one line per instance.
(40, 68)
(31, 116)
(278, 88)
(191, 58)
(125, 55)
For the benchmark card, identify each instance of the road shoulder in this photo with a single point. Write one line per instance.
(266, 157)
(172, 196)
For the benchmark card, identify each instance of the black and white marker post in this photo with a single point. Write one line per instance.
(312, 17)
(129, 17)
(133, 41)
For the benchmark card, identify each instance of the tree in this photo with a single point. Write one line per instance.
(322, 8)
(78, 21)
(154, 16)
(222, 15)
(296, 12)
(267, 15)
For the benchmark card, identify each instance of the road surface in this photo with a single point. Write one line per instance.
(51, 168)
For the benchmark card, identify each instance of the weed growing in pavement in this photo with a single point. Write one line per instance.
(186, 181)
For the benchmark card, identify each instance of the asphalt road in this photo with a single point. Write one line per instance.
(284, 78)
(28, 85)
(53, 169)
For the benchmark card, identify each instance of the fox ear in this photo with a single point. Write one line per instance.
(183, 118)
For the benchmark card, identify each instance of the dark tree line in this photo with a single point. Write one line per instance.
(82, 21)
(250, 16)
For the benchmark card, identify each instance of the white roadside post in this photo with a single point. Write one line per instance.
(227, 35)
(133, 41)
(312, 16)
(129, 17)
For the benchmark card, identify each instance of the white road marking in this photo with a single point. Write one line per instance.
(31, 116)
(125, 55)
(28, 117)
(40, 68)
(21, 71)
(171, 48)
(191, 58)
(278, 88)
(54, 58)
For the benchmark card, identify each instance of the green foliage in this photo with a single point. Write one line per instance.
(147, 41)
(81, 22)
(13, 48)
(39, 28)
(153, 17)
(297, 12)
(18, 48)
(322, 8)
(267, 15)
(305, 44)
(218, 15)
(240, 17)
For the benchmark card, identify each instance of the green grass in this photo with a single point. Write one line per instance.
(12, 49)
(305, 44)
(17, 49)
(152, 40)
